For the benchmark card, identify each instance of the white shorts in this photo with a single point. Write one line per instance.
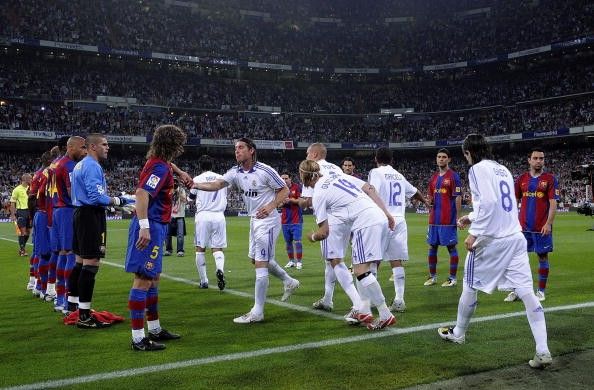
(263, 235)
(369, 243)
(397, 245)
(334, 246)
(500, 263)
(211, 230)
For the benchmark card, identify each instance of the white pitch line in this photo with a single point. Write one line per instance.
(246, 295)
(268, 351)
(275, 302)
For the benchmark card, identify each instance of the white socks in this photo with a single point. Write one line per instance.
(261, 289)
(154, 326)
(372, 289)
(138, 335)
(398, 273)
(278, 271)
(201, 266)
(536, 318)
(466, 307)
(329, 282)
(345, 279)
(219, 257)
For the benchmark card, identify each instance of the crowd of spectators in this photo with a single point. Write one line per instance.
(546, 115)
(58, 80)
(122, 172)
(435, 32)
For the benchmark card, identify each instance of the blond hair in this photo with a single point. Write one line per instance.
(309, 171)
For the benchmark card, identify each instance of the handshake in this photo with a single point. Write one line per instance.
(124, 203)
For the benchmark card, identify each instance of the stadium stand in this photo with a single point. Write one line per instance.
(386, 34)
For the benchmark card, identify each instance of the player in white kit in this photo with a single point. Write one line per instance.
(394, 190)
(263, 191)
(334, 245)
(341, 197)
(211, 226)
(497, 253)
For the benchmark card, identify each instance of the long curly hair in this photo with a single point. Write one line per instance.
(168, 143)
(308, 171)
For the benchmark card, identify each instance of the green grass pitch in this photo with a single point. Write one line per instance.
(295, 347)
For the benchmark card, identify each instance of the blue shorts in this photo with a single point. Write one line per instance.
(538, 243)
(149, 261)
(442, 235)
(292, 232)
(62, 233)
(41, 238)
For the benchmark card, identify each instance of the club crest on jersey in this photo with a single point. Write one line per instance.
(153, 181)
(446, 182)
(149, 265)
(100, 189)
(253, 183)
(543, 184)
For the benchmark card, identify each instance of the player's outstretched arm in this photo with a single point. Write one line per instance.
(211, 186)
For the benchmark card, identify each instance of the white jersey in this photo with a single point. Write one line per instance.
(494, 206)
(258, 186)
(341, 197)
(326, 169)
(392, 188)
(208, 200)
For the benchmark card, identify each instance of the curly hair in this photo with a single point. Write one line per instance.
(168, 143)
(308, 171)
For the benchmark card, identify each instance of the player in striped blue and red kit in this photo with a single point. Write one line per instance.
(292, 221)
(148, 231)
(444, 195)
(41, 240)
(538, 193)
(58, 152)
(61, 233)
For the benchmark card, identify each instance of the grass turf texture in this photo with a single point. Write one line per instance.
(34, 341)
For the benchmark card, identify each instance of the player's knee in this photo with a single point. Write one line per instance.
(91, 268)
(524, 292)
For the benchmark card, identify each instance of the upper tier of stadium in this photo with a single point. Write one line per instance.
(349, 33)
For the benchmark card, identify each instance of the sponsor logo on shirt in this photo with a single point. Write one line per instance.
(153, 181)
(530, 194)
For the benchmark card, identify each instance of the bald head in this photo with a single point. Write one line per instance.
(316, 152)
(76, 148)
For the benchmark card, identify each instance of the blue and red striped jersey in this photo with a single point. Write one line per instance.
(156, 178)
(535, 194)
(60, 184)
(37, 189)
(444, 189)
(291, 212)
